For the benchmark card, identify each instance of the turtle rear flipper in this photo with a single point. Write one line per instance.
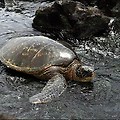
(53, 89)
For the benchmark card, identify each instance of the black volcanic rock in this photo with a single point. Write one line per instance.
(71, 18)
(2, 3)
(104, 5)
(116, 10)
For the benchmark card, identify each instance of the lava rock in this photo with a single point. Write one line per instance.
(116, 22)
(2, 3)
(85, 21)
(70, 18)
(49, 17)
(116, 25)
(104, 5)
(87, 2)
(116, 10)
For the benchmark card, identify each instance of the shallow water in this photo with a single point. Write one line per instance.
(98, 99)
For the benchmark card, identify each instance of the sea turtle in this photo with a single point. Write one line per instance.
(46, 59)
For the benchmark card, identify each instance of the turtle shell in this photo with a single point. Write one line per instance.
(29, 54)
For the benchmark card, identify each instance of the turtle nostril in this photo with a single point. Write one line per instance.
(79, 72)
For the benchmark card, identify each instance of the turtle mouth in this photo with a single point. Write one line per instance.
(87, 77)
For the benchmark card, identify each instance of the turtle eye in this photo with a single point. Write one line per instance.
(79, 72)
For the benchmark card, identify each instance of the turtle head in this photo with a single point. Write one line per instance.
(79, 73)
(84, 73)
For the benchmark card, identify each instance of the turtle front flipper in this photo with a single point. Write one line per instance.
(53, 89)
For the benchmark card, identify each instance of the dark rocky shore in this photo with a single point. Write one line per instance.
(92, 27)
